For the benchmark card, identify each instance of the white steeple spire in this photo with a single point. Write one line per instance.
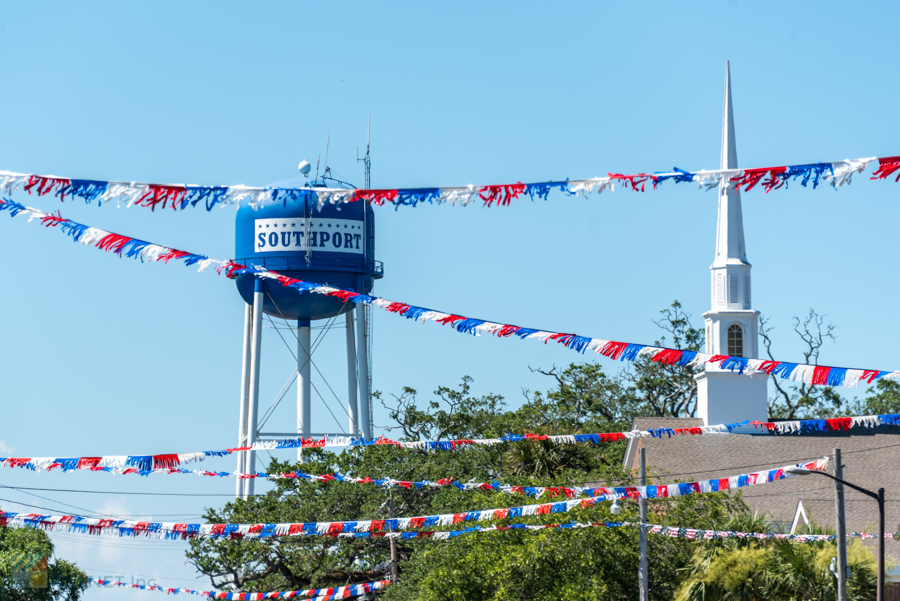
(730, 249)
(725, 396)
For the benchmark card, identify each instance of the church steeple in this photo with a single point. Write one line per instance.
(725, 396)
(730, 268)
(730, 247)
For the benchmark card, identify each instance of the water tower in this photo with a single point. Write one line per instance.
(333, 245)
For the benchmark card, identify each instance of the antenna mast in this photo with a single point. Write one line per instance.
(327, 145)
(367, 160)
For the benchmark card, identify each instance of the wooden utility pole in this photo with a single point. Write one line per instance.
(841, 528)
(393, 544)
(642, 532)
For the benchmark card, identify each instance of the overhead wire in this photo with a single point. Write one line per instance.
(55, 501)
(118, 573)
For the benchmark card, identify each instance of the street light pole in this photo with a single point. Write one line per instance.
(879, 496)
(880, 544)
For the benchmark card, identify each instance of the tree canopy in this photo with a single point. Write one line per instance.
(748, 570)
(596, 562)
(29, 572)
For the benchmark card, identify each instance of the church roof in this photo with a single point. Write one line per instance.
(868, 458)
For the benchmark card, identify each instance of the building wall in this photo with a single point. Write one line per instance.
(892, 591)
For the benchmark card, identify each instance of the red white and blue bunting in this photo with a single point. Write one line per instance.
(181, 196)
(318, 594)
(363, 528)
(123, 246)
(670, 531)
(168, 463)
(695, 534)
(818, 375)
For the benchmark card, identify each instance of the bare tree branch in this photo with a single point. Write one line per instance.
(789, 402)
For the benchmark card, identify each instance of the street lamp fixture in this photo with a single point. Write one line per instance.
(616, 508)
(879, 496)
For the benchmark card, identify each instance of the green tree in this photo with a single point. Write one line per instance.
(751, 570)
(589, 399)
(884, 398)
(584, 563)
(604, 560)
(25, 549)
(590, 563)
(660, 390)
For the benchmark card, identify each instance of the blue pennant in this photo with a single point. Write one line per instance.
(212, 195)
(87, 189)
(542, 189)
(414, 196)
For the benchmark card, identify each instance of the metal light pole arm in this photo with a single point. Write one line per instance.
(874, 495)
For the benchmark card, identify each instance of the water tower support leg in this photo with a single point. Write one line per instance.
(245, 396)
(352, 410)
(253, 405)
(304, 423)
(362, 363)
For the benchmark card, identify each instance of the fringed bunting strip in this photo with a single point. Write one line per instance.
(697, 534)
(124, 246)
(622, 351)
(356, 528)
(179, 196)
(146, 465)
(617, 351)
(318, 594)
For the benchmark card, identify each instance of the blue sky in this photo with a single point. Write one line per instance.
(103, 355)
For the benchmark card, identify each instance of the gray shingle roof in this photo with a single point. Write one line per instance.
(869, 458)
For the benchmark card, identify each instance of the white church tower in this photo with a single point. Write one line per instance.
(731, 325)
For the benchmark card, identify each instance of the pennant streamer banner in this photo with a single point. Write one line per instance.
(617, 351)
(146, 465)
(670, 531)
(180, 196)
(365, 528)
(123, 246)
(694, 534)
(319, 594)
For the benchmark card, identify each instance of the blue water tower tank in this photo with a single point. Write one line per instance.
(333, 245)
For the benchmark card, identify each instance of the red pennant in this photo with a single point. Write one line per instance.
(503, 195)
(668, 356)
(160, 195)
(886, 167)
(631, 181)
(45, 185)
(113, 243)
(375, 197)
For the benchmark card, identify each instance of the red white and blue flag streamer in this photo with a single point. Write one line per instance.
(169, 463)
(819, 375)
(698, 534)
(318, 594)
(364, 528)
(670, 531)
(118, 244)
(182, 196)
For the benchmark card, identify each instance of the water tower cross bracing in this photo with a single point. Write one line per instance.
(333, 245)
